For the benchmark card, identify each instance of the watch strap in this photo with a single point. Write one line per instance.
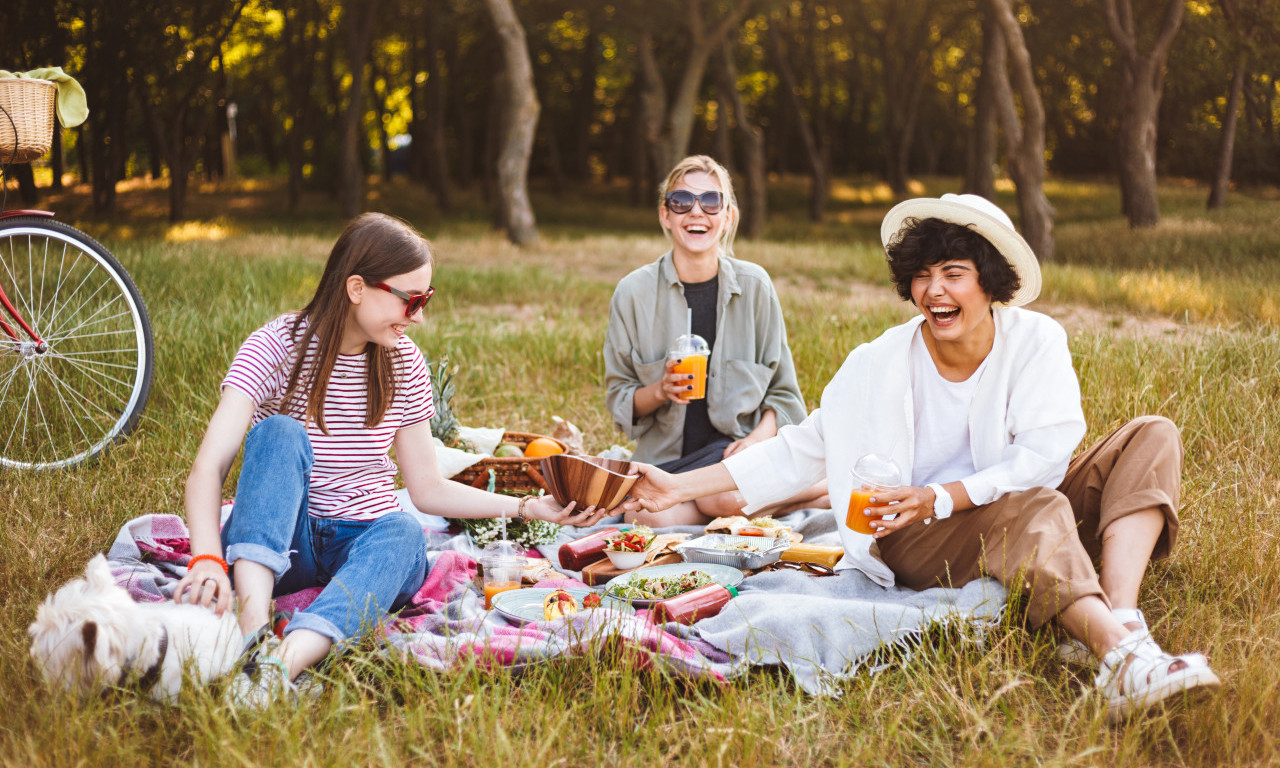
(943, 504)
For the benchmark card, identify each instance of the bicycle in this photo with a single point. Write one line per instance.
(76, 350)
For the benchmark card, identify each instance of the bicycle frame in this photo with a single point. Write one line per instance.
(4, 298)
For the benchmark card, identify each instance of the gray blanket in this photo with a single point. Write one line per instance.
(826, 629)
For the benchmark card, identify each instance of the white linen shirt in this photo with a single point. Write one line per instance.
(1024, 422)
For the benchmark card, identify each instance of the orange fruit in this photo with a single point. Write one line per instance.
(540, 447)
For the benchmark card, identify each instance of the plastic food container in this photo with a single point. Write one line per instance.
(712, 549)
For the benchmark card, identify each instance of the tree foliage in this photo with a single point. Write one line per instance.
(827, 88)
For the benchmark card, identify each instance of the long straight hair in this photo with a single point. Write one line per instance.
(375, 247)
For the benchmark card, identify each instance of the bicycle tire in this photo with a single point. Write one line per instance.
(87, 388)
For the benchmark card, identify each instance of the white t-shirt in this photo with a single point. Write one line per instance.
(943, 451)
(353, 475)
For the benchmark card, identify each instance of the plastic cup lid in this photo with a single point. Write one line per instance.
(689, 344)
(875, 469)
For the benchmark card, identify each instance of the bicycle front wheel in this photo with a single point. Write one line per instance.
(68, 398)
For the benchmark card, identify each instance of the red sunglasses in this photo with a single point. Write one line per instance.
(412, 301)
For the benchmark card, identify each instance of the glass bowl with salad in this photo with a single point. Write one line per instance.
(627, 550)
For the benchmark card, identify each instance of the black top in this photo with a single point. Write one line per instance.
(701, 298)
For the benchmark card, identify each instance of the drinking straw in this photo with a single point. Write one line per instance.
(688, 323)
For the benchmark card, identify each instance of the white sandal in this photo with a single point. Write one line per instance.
(1076, 653)
(1135, 675)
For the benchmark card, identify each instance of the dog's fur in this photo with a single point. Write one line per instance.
(91, 634)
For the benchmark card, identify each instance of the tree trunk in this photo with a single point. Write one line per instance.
(722, 136)
(752, 201)
(519, 124)
(653, 109)
(1227, 139)
(301, 48)
(680, 114)
(980, 176)
(26, 178)
(585, 101)
(357, 23)
(1026, 139)
(380, 110)
(1141, 86)
(58, 160)
(436, 155)
(817, 163)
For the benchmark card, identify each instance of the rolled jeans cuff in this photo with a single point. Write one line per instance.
(317, 624)
(256, 553)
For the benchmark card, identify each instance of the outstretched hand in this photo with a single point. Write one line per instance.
(653, 492)
(546, 508)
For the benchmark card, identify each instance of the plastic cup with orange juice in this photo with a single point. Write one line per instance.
(872, 474)
(503, 566)
(689, 355)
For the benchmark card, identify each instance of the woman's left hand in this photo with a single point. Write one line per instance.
(740, 444)
(546, 508)
(913, 505)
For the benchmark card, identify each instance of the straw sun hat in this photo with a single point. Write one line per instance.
(982, 216)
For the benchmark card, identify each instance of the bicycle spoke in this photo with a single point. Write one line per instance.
(121, 332)
(59, 387)
(85, 368)
(22, 414)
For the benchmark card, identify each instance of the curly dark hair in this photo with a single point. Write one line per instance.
(921, 243)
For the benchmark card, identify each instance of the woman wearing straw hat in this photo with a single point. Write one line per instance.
(698, 287)
(977, 402)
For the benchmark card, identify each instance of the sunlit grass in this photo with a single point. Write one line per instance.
(525, 329)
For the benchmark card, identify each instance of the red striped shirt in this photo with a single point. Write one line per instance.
(353, 475)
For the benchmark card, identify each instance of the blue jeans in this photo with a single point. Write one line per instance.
(367, 567)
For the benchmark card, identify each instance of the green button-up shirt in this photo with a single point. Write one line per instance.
(750, 370)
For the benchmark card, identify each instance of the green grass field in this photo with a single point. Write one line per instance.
(1181, 321)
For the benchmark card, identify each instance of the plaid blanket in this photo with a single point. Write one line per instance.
(821, 629)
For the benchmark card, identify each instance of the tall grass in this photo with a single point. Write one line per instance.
(525, 328)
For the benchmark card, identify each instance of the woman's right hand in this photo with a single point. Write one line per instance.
(653, 492)
(205, 584)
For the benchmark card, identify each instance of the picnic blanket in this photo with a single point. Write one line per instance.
(821, 629)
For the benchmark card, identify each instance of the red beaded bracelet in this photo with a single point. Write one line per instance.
(214, 558)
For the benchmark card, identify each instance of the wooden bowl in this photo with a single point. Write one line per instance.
(588, 480)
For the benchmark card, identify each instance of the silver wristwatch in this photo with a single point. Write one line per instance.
(942, 502)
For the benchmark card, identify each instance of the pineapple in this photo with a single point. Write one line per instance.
(444, 425)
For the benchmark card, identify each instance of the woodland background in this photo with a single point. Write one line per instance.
(460, 94)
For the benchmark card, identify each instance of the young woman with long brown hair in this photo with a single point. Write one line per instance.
(323, 394)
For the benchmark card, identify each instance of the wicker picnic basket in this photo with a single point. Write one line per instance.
(516, 474)
(26, 125)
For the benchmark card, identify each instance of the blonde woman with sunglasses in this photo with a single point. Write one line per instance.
(751, 387)
(323, 395)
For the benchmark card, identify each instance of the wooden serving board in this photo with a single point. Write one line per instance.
(601, 571)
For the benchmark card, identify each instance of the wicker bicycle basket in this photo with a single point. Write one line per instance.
(516, 474)
(26, 125)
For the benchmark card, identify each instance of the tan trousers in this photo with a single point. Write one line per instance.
(1044, 542)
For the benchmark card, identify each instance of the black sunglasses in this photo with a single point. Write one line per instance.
(412, 301)
(682, 200)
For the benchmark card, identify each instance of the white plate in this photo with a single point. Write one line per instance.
(522, 606)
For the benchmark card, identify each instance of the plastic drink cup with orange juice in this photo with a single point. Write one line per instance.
(492, 588)
(689, 355)
(871, 475)
(503, 566)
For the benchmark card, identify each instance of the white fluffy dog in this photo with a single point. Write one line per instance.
(91, 634)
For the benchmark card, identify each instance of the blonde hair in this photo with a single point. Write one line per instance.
(707, 165)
